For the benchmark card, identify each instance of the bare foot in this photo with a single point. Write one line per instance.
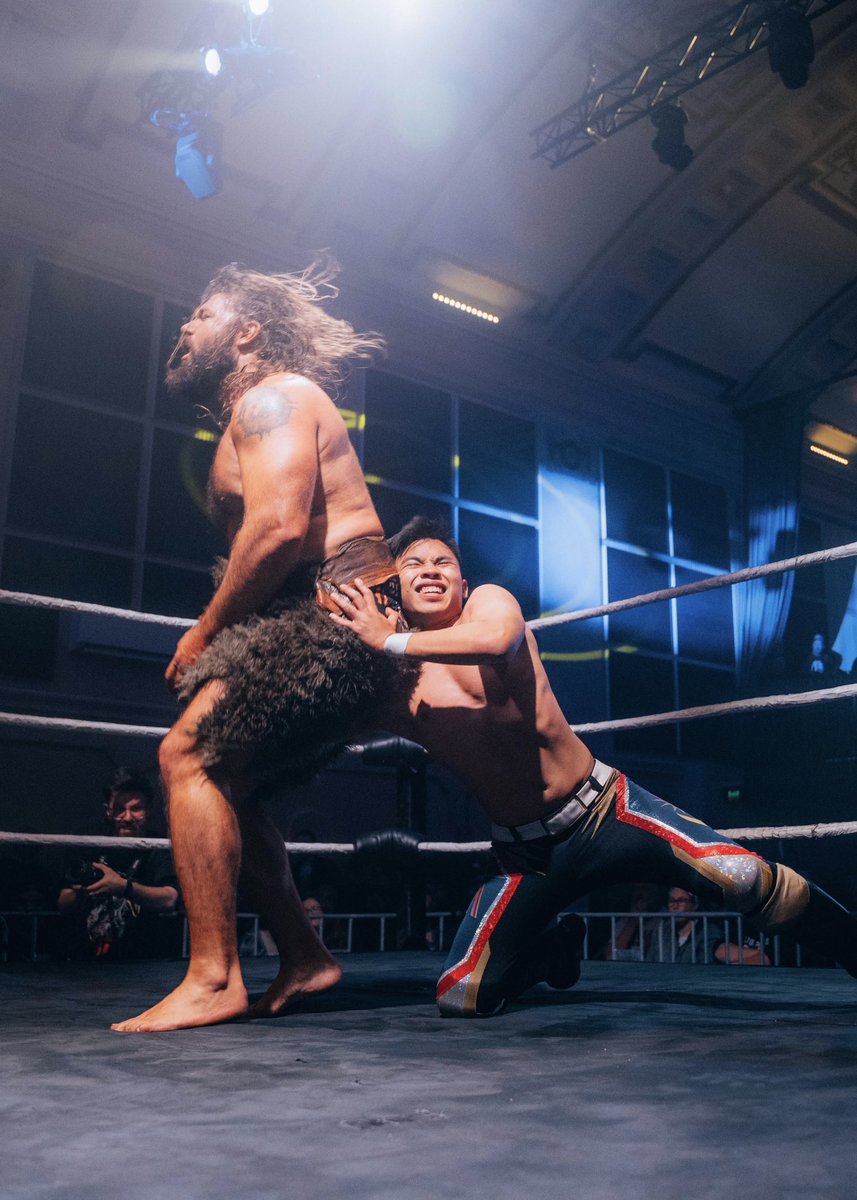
(193, 1003)
(292, 984)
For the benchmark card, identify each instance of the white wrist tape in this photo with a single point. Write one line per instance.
(397, 643)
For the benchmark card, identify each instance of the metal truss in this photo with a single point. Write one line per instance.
(727, 39)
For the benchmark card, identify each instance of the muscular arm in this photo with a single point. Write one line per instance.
(490, 628)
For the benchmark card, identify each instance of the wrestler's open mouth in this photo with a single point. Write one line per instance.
(178, 355)
(430, 589)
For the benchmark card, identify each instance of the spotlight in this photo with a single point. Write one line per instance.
(791, 46)
(198, 159)
(257, 8)
(212, 62)
(669, 143)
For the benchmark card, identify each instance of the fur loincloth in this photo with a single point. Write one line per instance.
(298, 688)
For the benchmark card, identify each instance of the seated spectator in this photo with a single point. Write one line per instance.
(823, 661)
(647, 897)
(699, 941)
(110, 898)
(688, 939)
(315, 912)
(748, 954)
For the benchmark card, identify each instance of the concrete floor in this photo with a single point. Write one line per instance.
(646, 1081)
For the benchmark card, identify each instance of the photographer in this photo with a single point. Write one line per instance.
(110, 901)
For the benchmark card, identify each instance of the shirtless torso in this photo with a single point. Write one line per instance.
(501, 730)
(492, 718)
(322, 479)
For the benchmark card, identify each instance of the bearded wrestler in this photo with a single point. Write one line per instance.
(563, 824)
(272, 688)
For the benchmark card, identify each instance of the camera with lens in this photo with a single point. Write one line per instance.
(82, 873)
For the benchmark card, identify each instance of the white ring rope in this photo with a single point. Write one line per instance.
(103, 841)
(702, 585)
(848, 550)
(750, 705)
(753, 704)
(25, 600)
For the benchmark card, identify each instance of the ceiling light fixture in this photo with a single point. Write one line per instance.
(470, 309)
(668, 143)
(837, 458)
(791, 46)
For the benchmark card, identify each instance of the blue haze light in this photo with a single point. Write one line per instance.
(198, 160)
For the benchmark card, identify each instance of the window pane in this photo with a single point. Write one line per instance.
(498, 459)
(647, 627)
(88, 338)
(716, 738)
(28, 642)
(641, 685)
(178, 520)
(636, 499)
(67, 572)
(396, 508)
(165, 405)
(174, 591)
(408, 433)
(74, 473)
(705, 622)
(503, 552)
(700, 521)
(577, 673)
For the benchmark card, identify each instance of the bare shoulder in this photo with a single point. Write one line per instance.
(490, 596)
(275, 403)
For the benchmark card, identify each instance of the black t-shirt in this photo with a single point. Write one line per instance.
(113, 926)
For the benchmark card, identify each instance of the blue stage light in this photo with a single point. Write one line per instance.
(198, 160)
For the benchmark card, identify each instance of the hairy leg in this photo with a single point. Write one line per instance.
(305, 964)
(207, 851)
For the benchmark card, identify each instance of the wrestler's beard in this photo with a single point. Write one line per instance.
(198, 379)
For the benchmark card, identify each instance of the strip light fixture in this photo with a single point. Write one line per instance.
(837, 458)
(466, 308)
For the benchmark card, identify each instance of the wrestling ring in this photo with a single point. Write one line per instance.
(643, 1081)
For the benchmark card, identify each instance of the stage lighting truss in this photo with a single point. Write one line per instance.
(728, 38)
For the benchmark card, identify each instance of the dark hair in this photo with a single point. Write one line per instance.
(421, 529)
(297, 334)
(125, 779)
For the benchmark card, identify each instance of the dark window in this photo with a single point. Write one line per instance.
(498, 459)
(28, 642)
(174, 591)
(705, 622)
(166, 406)
(396, 508)
(73, 574)
(636, 499)
(408, 433)
(711, 737)
(700, 521)
(640, 685)
(88, 338)
(178, 520)
(578, 676)
(74, 473)
(503, 552)
(647, 627)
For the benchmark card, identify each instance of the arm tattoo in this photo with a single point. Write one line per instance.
(265, 411)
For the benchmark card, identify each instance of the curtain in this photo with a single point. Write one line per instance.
(773, 439)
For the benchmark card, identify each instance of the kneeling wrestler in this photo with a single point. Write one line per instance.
(563, 823)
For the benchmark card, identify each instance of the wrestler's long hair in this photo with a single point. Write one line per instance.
(297, 334)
